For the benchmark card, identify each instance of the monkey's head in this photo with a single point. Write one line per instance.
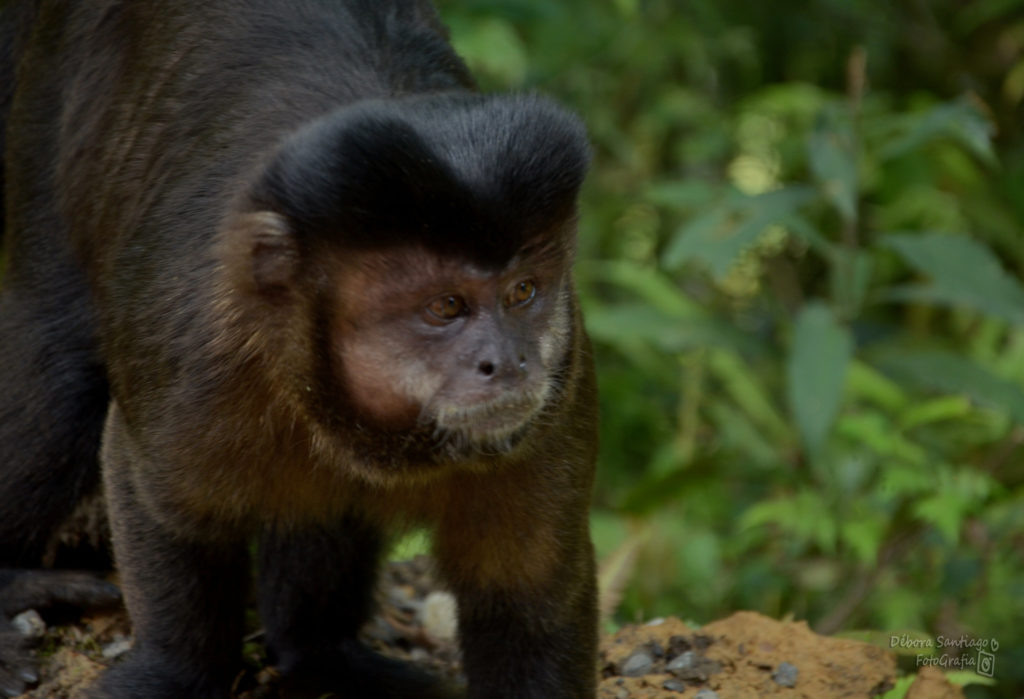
(410, 264)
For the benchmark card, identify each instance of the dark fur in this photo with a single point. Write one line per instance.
(185, 185)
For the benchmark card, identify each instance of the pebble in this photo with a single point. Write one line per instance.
(117, 648)
(785, 675)
(640, 663)
(683, 661)
(29, 623)
(673, 686)
(706, 694)
(440, 616)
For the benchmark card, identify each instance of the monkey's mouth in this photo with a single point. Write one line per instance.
(495, 421)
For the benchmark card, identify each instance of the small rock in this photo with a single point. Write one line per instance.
(785, 675)
(706, 694)
(117, 648)
(622, 694)
(640, 663)
(656, 622)
(673, 686)
(29, 623)
(657, 650)
(684, 661)
(440, 616)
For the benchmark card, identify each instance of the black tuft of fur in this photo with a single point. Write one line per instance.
(461, 173)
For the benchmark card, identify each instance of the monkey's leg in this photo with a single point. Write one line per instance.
(316, 592)
(53, 397)
(525, 583)
(185, 598)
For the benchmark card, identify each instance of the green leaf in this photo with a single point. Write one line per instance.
(833, 161)
(878, 433)
(959, 493)
(706, 238)
(804, 230)
(716, 238)
(850, 280)
(745, 387)
(652, 491)
(865, 382)
(962, 272)
(900, 480)
(649, 284)
(936, 410)
(737, 432)
(951, 373)
(943, 510)
(962, 678)
(805, 517)
(960, 121)
(864, 535)
(816, 370)
(629, 323)
(681, 195)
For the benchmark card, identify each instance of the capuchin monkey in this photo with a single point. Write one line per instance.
(275, 271)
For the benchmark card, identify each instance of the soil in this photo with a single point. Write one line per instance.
(744, 655)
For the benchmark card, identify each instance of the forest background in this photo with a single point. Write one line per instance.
(801, 254)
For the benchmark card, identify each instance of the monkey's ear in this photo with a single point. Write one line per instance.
(269, 253)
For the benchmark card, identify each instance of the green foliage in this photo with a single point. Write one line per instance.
(802, 246)
(816, 368)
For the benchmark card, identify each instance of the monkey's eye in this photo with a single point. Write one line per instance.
(447, 307)
(522, 293)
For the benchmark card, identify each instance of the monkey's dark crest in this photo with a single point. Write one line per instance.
(473, 176)
(277, 271)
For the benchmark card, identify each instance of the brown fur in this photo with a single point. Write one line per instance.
(229, 223)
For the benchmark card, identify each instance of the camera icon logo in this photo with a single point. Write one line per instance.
(986, 666)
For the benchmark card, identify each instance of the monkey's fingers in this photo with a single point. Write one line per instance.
(39, 589)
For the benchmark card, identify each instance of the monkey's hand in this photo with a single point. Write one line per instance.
(21, 590)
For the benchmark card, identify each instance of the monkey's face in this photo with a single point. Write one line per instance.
(422, 342)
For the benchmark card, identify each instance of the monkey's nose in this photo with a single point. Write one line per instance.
(511, 366)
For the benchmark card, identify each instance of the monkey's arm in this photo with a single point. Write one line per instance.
(527, 598)
(185, 595)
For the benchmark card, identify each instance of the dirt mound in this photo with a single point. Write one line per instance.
(749, 655)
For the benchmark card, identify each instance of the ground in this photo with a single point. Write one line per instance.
(743, 656)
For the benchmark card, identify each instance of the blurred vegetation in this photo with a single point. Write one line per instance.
(802, 247)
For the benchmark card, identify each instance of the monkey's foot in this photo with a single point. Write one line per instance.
(356, 672)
